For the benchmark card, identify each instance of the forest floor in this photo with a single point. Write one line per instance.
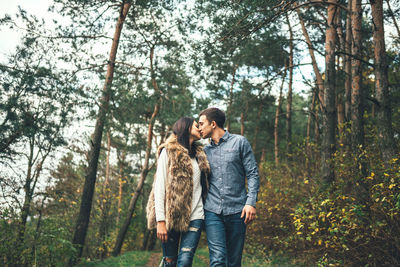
(201, 259)
(154, 260)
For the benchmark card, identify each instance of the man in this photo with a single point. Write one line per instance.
(228, 208)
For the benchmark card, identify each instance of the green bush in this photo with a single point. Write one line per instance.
(351, 222)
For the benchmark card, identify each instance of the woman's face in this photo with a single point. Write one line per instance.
(195, 132)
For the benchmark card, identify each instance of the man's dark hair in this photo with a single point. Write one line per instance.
(181, 129)
(214, 114)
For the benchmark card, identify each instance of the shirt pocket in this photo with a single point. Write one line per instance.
(231, 154)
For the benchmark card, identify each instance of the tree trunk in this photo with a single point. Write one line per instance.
(311, 114)
(163, 133)
(105, 203)
(82, 222)
(289, 95)
(132, 204)
(357, 127)
(229, 109)
(317, 109)
(329, 114)
(347, 62)
(31, 180)
(318, 76)
(146, 238)
(263, 155)
(152, 240)
(340, 59)
(277, 114)
(340, 119)
(121, 160)
(243, 118)
(384, 116)
(27, 190)
(257, 128)
(38, 229)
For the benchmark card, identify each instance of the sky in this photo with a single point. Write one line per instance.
(10, 38)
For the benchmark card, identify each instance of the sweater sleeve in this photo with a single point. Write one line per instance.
(159, 186)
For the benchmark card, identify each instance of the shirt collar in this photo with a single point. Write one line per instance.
(222, 139)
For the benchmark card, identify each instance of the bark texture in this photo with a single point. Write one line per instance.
(384, 119)
(289, 94)
(347, 62)
(356, 86)
(318, 76)
(229, 109)
(329, 107)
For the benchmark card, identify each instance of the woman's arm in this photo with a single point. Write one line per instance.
(159, 195)
(159, 186)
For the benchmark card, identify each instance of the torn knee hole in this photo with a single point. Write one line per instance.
(186, 249)
(167, 259)
(193, 229)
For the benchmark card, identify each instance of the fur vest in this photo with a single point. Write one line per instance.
(178, 186)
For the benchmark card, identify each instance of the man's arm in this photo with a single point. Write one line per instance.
(253, 180)
(251, 171)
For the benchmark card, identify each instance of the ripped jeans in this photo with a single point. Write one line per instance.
(187, 245)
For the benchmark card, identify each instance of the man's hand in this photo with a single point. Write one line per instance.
(162, 231)
(249, 212)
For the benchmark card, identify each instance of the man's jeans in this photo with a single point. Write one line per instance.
(188, 244)
(225, 237)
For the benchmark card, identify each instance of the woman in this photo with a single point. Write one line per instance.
(175, 205)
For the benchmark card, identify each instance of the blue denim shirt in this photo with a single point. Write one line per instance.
(231, 161)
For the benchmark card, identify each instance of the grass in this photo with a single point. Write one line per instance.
(140, 258)
(131, 259)
(250, 260)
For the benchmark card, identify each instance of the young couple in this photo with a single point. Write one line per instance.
(195, 186)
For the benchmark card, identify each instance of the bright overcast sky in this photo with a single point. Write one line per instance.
(10, 38)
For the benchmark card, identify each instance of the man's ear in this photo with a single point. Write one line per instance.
(213, 124)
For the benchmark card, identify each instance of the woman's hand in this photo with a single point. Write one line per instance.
(162, 231)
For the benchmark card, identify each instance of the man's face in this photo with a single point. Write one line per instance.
(205, 127)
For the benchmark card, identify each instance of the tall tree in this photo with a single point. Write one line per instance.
(105, 202)
(82, 222)
(146, 166)
(318, 75)
(290, 93)
(277, 114)
(229, 108)
(347, 62)
(329, 108)
(384, 113)
(357, 107)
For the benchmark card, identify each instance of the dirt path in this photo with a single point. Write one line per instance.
(204, 259)
(154, 260)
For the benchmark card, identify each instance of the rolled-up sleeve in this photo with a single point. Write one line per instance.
(251, 171)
